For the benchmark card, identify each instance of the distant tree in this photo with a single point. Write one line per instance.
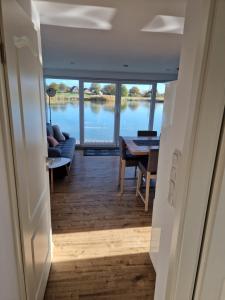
(109, 89)
(62, 87)
(147, 93)
(54, 86)
(95, 88)
(134, 92)
(124, 90)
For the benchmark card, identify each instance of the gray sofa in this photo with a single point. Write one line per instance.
(64, 149)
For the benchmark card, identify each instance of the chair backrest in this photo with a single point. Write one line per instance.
(153, 160)
(146, 133)
(122, 146)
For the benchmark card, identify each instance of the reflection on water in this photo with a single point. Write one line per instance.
(99, 118)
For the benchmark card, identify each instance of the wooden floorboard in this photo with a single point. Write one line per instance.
(101, 241)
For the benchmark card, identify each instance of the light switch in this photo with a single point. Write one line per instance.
(171, 195)
(173, 175)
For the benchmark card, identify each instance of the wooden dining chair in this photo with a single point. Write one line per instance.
(146, 133)
(147, 169)
(126, 160)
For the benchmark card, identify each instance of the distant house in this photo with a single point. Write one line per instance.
(74, 89)
(87, 91)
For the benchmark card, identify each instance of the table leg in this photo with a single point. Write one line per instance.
(52, 180)
(67, 170)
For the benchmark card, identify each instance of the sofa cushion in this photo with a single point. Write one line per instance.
(67, 148)
(58, 134)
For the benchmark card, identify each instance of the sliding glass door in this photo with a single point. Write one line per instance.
(99, 112)
(135, 105)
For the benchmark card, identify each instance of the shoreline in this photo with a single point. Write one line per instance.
(63, 100)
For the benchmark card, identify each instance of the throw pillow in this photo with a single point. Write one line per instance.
(52, 141)
(58, 134)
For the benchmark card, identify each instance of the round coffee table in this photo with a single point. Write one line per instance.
(54, 163)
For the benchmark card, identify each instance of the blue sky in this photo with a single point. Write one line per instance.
(70, 83)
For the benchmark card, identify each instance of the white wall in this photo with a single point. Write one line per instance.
(173, 138)
(163, 213)
(66, 73)
(26, 5)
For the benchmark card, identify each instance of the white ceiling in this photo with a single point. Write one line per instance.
(103, 35)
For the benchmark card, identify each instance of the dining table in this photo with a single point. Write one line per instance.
(140, 146)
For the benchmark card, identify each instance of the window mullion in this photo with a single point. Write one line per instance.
(152, 106)
(81, 108)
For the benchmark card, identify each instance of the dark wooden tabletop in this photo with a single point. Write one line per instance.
(141, 145)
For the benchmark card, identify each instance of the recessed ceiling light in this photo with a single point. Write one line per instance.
(125, 66)
(165, 24)
(77, 16)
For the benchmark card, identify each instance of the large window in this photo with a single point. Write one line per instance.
(103, 111)
(99, 108)
(64, 108)
(134, 108)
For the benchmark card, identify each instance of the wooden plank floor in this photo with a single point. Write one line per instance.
(101, 242)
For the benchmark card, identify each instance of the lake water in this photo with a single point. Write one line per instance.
(99, 119)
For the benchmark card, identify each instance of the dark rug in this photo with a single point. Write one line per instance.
(101, 152)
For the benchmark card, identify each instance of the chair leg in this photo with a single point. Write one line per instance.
(122, 175)
(148, 178)
(139, 179)
(135, 172)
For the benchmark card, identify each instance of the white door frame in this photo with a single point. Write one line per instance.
(199, 153)
(210, 280)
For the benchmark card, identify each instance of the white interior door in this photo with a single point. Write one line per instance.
(26, 108)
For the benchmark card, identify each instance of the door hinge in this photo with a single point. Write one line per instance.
(2, 53)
